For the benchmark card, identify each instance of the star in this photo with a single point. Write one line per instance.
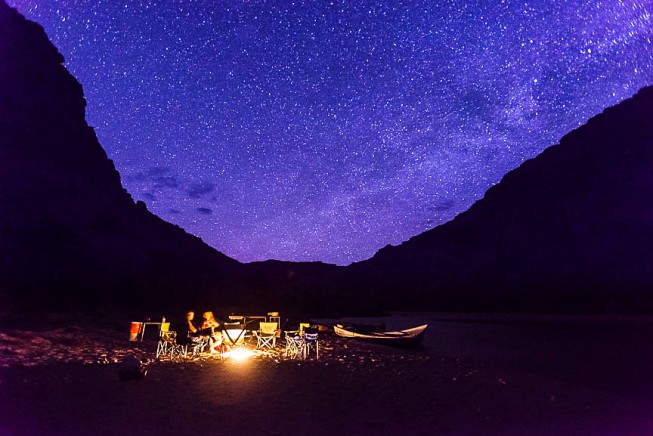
(310, 131)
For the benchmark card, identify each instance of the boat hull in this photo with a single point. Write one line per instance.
(402, 338)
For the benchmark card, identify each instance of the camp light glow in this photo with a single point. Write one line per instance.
(240, 354)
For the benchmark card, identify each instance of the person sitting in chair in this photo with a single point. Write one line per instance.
(208, 328)
(189, 330)
(188, 334)
(190, 315)
(209, 321)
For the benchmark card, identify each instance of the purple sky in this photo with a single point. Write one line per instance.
(325, 130)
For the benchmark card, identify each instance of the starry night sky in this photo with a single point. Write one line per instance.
(325, 130)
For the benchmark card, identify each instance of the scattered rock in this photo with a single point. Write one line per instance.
(131, 369)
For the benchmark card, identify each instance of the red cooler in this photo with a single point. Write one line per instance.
(135, 330)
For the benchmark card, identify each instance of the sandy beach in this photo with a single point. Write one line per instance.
(64, 381)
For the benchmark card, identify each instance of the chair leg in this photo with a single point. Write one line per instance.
(161, 348)
(292, 348)
(174, 352)
(301, 349)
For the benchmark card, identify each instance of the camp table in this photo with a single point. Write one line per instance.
(145, 323)
(241, 322)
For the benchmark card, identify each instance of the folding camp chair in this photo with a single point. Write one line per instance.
(310, 343)
(166, 340)
(188, 347)
(266, 335)
(300, 345)
(293, 344)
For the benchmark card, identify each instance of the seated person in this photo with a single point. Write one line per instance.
(209, 322)
(208, 328)
(192, 330)
(189, 330)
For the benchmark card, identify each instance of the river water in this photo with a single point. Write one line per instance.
(612, 353)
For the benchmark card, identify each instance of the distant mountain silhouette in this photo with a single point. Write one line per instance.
(70, 235)
(571, 229)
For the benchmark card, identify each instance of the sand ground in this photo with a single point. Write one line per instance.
(64, 381)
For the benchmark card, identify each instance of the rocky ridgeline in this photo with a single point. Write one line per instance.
(70, 235)
(571, 229)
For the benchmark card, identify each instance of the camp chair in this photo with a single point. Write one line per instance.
(165, 328)
(166, 340)
(180, 348)
(201, 343)
(300, 345)
(188, 347)
(174, 347)
(266, 336)
(310, 343)
(293, 344)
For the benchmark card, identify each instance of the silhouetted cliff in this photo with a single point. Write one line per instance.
(70, 235)
(571, 229)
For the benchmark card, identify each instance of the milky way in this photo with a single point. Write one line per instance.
(325, 130)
